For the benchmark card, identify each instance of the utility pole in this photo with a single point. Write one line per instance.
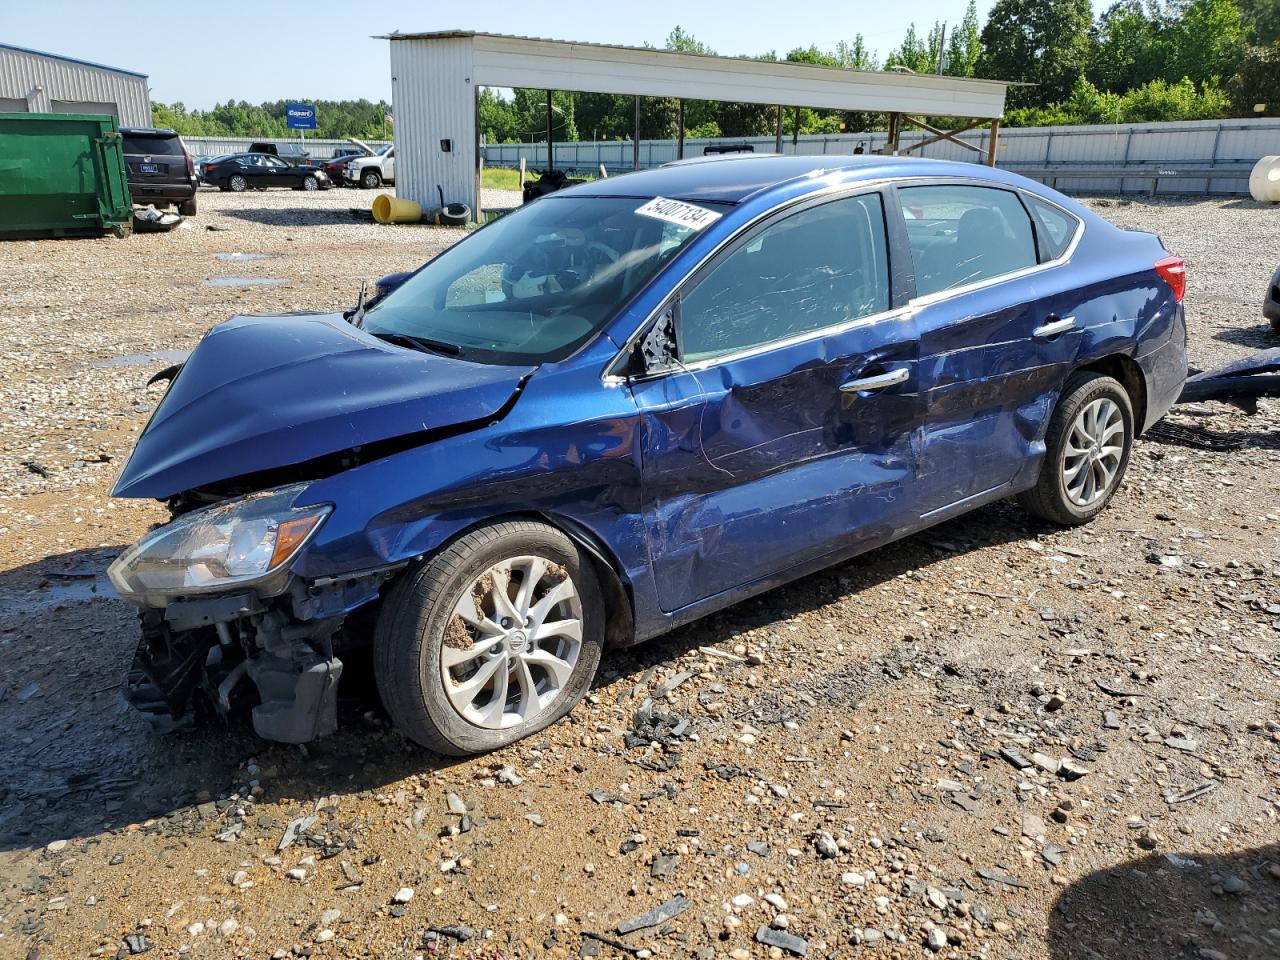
(942, 48)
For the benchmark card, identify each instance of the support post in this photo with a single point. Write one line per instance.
(993, 146)
(778, 132)
(475, 124)
(522, 171)
(680, 136)
(891, 144)
(795, 130)
(551, 160)
(635, 143)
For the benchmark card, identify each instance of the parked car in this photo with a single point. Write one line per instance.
(372, 172)
(294, 153)
(238, 172)
(1271, 304)
(618, 409)
(160, 169)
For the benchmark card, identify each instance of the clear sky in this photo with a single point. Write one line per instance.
(204, 53)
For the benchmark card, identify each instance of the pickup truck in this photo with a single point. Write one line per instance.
(372, 172)
(292, 152)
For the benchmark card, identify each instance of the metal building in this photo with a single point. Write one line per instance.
(35, 82)
(436, 77)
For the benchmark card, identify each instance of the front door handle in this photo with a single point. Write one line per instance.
(878, 382)
(1054, 327)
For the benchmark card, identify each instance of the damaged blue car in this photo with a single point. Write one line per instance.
(618, 409)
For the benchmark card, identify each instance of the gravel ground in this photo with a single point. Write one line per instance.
(997, 739)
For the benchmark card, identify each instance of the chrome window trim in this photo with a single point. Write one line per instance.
(611, 378)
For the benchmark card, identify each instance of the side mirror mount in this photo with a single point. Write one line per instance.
(657, 351)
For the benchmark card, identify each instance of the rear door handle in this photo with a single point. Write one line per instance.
(878, 382)
(1054, 327)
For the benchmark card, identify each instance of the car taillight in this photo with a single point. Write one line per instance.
(1173, 271)
(210, 167)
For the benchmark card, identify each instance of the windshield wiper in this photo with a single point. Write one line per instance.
(426, 344)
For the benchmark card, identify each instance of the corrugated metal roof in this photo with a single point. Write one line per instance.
(58, 56)
(463, 34)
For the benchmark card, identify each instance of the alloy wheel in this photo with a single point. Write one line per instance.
(512, 642)
(1094, 450)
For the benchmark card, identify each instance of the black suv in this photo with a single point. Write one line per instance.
(160, 169)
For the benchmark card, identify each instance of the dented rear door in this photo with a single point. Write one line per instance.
(758, 457)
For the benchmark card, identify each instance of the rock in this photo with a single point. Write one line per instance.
(659, 914)
(295, 829)
(403, 895)
(1233, 885)
(1068, 769)
(324, 936)
(663, 866)
(825, 844)
(228, 926)
(937, 939)
(57, 846)
(852, 879)
(742, 901)
(935, 897)
(1034, 828)
(1015, 757)
(951, 786)
(776, 901)
(137, 943)
(297, 873)
(455, 803)
(1045, 762)
(509, 777)
(330, 917)
(796, 946)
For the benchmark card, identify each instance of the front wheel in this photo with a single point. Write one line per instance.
(1088, 445)
(371, 179)
(237, 184)
(490, 640)
(310, 183)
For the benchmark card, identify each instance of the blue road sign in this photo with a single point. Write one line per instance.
(300, 116)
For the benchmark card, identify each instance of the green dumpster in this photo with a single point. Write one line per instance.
(62, 175)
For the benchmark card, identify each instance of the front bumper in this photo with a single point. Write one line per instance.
(196, 652)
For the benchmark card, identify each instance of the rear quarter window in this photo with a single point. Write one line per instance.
(1055, 228)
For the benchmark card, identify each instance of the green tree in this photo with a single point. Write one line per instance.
(965, 44)
(1257, 81)
(1262, 18)
(1206, 40)
(1045, 42)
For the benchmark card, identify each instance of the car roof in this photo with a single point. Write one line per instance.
(148, 132)
(733, 178)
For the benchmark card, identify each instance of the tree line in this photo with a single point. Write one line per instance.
(1140, 60)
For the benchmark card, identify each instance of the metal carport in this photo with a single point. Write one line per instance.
(436, 77)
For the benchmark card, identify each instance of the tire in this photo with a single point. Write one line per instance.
(370, 180)
(187, 207)
(237, 183)
(310, 183)
(1074, 488)
(418, 622)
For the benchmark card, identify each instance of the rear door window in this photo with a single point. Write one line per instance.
(961, 235)
(818, 268)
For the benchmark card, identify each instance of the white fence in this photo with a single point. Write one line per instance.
(217, 146)
(1233, 146)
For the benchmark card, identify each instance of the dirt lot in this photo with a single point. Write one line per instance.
(997, 739)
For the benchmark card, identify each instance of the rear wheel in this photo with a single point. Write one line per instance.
(1088, 445)
(310, 183)
(187, 207)
(371, 179)
(237, 183)
(492, 639)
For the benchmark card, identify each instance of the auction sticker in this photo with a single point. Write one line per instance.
(679, 212)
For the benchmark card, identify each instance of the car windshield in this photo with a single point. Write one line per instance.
(538, 283)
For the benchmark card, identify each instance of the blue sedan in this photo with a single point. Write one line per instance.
(618, 409)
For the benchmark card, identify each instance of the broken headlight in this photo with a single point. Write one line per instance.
(244, 542)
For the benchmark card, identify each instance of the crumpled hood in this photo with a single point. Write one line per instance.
(270, 391)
